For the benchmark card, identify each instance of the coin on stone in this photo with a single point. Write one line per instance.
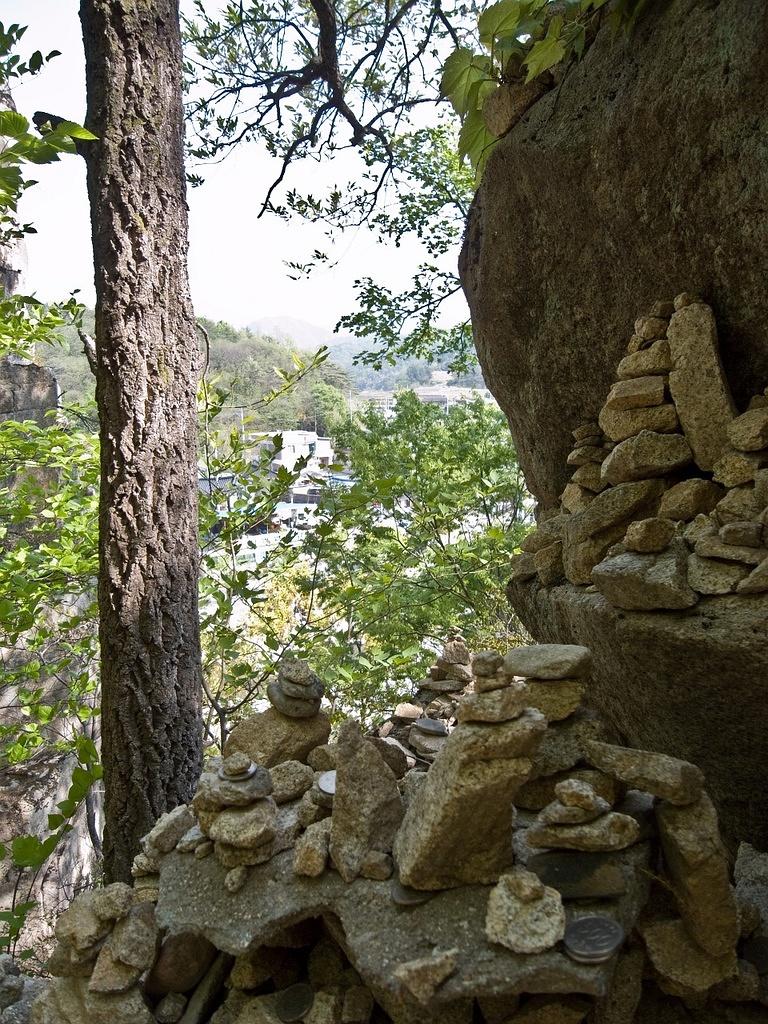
(327, 783)
(431, 726)
(593, 939)
(294, 1002)
(227, 771)
(404, 896)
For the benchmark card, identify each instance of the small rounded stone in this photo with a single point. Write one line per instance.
(431, 726)
(294, 1002)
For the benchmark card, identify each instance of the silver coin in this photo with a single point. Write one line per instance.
(404, 896)
(593, 939)
(247, 773)
(327, 783)
(431, 726)
(294, 1002)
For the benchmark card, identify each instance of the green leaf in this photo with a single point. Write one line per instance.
(12, 124)
(546, 52)
(73, 130)
(27, 852)
(475, 141)
(462, 71)
(500, 19)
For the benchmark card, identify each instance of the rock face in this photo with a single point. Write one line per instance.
(596, 196)
(700, 694)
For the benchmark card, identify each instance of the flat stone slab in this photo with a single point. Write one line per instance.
(379, 936)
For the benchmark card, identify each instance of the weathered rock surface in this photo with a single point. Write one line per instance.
(697, 864)
(647, 454)
(524, 915)
(612, 831)
(669, 778)
(681, 961)
(548, 661)
(638, 582)
(448, 836)
(698, 384)
(367, 809)
(551, 271)
(270, 737)
(701, 696)
(589, 534)
(193, 896)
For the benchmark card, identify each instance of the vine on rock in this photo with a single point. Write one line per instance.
(523, 42)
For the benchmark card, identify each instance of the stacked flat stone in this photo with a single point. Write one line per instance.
(450, 672)
(236, 815)
(297, 692)
(106, 941)
(553, 680)
(730, 544)
(668, 498)
(698, 949)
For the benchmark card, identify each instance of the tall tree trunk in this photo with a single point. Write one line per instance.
(147, 368)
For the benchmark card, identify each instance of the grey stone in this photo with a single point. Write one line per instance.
(621, 424)
(68, 1001)
(170, 1008)
(713, 547)
(709, 576)
(558, 813)
(589, 534)
(564, 743)
(636, 393)
(292, 707)
(497, 706)
(206, 996)
(611, 831)
(290, 780)
(649, 535)
(734, 468)
(367, 809)
(310, 854)
(556, 699)
(183, 961)
(645, 455)
(524, 915)
(698, 383)
(113, 902)
(269, 737)
(689, 498)
(248, 828)
(640, 582)
(748, 534)
(757, 581)
(668, 778)
(749, 432)
(214, 792)
(678, 959)
(657, 359)
(548, 661)
(697, 864)
(424, 976)
(448, 838)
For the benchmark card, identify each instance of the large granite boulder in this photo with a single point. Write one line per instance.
(692, 684)
(647, 171)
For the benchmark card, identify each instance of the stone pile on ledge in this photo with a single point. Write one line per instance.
(491, 855)
(668, 500)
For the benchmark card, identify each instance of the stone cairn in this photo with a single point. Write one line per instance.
(526, 868)
(668, 500)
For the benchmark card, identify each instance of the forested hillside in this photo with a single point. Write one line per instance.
(245, 365)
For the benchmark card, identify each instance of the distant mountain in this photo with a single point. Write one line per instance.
(300, 332)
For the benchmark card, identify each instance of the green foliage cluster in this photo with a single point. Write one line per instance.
(521, 40)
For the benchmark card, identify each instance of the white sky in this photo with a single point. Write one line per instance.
(236, 261)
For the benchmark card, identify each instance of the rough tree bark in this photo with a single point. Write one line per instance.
(147, 366)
